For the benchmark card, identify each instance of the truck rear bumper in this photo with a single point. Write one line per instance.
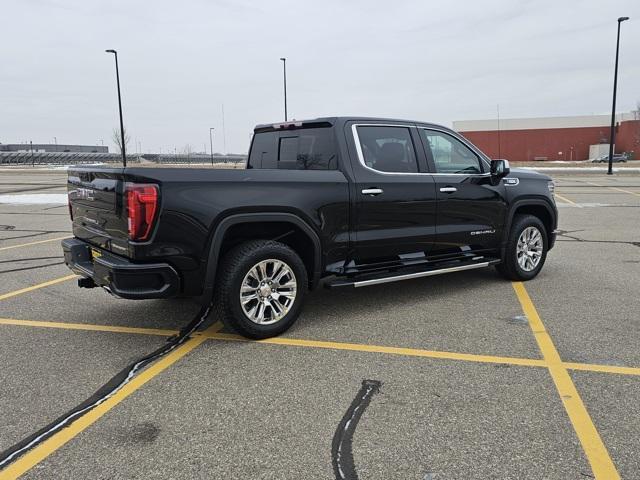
(120, 276)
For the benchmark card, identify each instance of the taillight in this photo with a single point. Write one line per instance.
(142, 203)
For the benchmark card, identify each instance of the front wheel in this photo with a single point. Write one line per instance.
(526, 249)
(260, 288)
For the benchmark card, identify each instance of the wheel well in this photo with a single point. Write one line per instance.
(284, 232)
(537, 211)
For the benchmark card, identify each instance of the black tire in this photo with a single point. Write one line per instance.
(235, 265)
(510, 268)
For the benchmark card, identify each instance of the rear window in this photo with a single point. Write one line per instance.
(304, 149)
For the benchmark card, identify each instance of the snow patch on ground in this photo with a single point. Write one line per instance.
(35, 199)
(83, 165)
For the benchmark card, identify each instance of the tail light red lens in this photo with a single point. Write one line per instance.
(142, 204)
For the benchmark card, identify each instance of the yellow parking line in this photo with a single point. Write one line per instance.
(626, 191)
(594, 449)
(15, 293)
(411, 352)
(565, 199)
(49, 446)
(613, 188)
(88, 327)
(592, 367)
(32, 243)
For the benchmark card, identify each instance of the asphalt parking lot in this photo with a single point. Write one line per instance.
(481, 378)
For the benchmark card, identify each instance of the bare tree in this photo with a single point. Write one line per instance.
(117, 139)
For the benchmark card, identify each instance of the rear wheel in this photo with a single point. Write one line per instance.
(526, 249)
(260, 288)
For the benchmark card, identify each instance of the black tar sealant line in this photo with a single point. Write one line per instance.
(29, 259)
(103, 393)
(341, 448)
(31, 268)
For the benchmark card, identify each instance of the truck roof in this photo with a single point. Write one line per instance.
(333, 121)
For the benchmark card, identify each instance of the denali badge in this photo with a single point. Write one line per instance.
(483, 232)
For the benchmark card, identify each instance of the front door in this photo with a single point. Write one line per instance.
(471, 204)
(395, 198)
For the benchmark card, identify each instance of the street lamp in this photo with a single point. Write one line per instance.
(612, 134)
(211, 129)
(284, 71)
(124, 153)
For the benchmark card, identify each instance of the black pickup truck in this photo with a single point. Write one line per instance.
(347, 201)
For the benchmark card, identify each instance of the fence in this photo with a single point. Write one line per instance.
(79, 158)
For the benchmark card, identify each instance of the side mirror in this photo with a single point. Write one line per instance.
(500, 168)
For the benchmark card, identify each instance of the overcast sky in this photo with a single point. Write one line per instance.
(180, 61)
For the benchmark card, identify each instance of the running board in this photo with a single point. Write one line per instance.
(355, 283)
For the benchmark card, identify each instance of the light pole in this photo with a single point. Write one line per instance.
(612, 134)
(122, 148)
(284, 71)
(211, 129)
(55, 140)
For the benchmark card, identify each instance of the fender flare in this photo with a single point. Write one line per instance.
(527, 202)
(212, 259)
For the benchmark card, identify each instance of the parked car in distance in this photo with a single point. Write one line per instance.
(618, 157)
(354, 201)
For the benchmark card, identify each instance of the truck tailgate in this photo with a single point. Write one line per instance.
(96, 204)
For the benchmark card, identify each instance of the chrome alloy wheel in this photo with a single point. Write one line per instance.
(529, 249)
(268, 291)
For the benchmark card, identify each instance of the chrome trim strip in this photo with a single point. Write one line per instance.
(356, 138)
(376, 281)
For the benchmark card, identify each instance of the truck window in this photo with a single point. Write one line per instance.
(388, 149)
(302, 149)
(450, 155)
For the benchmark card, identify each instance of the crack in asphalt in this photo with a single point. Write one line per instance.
(22, 190)
(564, 233)
(37, 234)
(13, 229)
(31, 268)
(33, 213)
(29, 259)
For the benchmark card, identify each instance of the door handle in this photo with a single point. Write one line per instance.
(372, 191)
(448, 189)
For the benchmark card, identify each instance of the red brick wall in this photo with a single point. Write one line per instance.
(526, 145)
(628, 137)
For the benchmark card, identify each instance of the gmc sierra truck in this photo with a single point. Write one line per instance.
(345, 201)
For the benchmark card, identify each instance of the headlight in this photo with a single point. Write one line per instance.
(551, 186)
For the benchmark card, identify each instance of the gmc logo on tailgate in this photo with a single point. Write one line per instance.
(82, 194)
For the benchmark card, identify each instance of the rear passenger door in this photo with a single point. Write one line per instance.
(471, 206)
(395, 198)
